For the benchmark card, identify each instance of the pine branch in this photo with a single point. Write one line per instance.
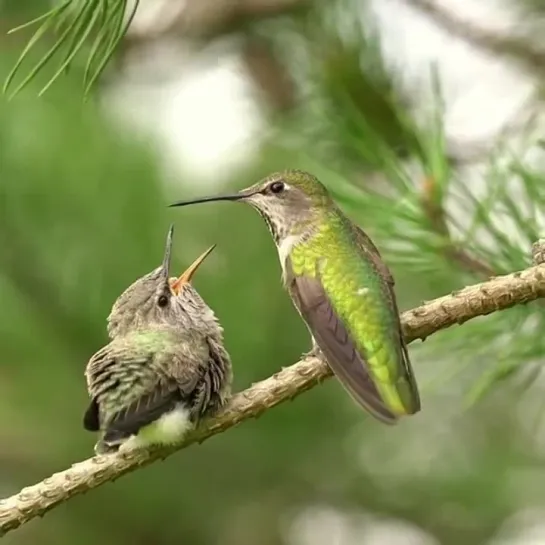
(478, 300)
(510, 47)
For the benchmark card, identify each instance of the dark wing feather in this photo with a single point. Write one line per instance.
(143, 411)
(91, 421)
(334, 341)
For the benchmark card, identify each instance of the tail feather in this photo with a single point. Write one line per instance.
(130, 421)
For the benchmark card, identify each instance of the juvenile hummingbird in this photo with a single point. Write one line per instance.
(165, 367)
(341, 287)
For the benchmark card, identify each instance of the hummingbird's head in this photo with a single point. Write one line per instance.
(156, 298)
(289, 201)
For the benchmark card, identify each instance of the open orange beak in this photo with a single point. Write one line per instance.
(176, 284)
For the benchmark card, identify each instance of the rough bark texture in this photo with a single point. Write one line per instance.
(494, 295)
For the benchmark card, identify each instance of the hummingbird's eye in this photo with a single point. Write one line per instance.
(277, 187)
(162, 301)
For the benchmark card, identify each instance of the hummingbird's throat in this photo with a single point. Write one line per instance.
(275, 228)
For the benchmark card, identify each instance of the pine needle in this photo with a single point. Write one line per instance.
(73, 22)
(116, 38)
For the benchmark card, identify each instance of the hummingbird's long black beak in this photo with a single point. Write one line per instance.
(234, 197)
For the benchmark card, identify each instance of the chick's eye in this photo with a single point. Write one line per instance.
(277, 187)
(162, 301)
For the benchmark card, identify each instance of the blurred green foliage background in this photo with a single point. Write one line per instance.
(83, 213)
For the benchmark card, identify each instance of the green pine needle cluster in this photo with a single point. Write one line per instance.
(73, 24)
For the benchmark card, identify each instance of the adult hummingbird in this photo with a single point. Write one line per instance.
(165, 367)
(341, 287)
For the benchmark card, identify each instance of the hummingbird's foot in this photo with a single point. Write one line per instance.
(102, 448)
(314, 352)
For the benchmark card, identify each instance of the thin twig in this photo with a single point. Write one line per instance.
(511, 48)
(437, 217)
(477, 300)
